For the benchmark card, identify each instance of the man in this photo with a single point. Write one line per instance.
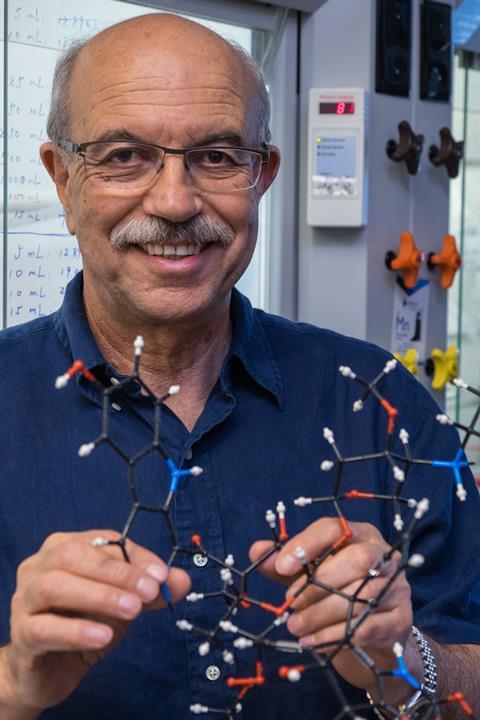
(164, 236)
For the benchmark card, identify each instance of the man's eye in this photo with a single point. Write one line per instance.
(217, 157)
(124, 156)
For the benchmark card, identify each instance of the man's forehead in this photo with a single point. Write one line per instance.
(189, 83)
(191, 113)
(169, 48)
(163, 66)
(211, 100)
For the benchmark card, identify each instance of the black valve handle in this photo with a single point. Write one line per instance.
(449, 153)
(408, 149)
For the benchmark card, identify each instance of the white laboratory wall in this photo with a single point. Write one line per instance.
(342, 279)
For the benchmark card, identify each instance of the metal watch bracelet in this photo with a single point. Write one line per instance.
(428, 686)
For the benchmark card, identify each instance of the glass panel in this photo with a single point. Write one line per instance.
(456, 220)
(41, 256)
(464, 298)
(4, 157)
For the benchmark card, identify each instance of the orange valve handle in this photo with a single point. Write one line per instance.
(448, 259)
(407, 261)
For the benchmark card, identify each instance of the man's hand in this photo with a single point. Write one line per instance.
(321, 617)
(72, 604)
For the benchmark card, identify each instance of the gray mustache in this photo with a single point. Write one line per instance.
(197, 231)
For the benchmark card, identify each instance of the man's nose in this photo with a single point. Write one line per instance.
(173, 195)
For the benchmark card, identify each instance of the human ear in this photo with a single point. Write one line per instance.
(269, 170)
(58, 171)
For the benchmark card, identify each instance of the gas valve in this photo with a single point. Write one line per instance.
(449, 154)
(442, 366)
(448, 259)
(409, 360)
(407, 261)
(408, 149)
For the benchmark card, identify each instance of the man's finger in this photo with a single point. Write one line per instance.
(321, 539)
(267, 567)
(348, 564)
(48, 632)
(379, 631)
(56, 590)
(82, 560)
(335, 608)
(86, 554)
(67, 559)
(351, 564)
(72, 547)
(176, 587)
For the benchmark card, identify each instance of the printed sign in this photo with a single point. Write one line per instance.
(410, 317)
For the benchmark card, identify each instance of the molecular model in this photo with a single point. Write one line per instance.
(228, 635)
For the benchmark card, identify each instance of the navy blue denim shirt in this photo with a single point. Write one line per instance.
(258, 440)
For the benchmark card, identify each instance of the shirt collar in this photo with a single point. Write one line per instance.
(73, 329)
(249, 342)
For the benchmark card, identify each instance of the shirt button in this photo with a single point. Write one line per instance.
(200, 560)
(212, 673)
(116, 406)
(188, 454)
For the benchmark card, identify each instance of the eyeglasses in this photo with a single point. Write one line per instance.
(127, 165)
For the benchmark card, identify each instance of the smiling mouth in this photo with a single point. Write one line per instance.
(173, 252)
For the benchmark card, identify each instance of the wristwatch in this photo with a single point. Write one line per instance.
(428, 687)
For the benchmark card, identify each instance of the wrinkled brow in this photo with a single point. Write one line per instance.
(225, 138)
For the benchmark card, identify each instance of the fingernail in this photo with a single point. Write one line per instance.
(130, 603)
(159, 572)
(286, 564)
(99, 635)
(307, 640)
(295, 623)
(147, 588)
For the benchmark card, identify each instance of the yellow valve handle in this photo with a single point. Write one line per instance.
(445, 366)
(409, 360)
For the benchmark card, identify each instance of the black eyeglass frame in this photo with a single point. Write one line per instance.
(80, 149)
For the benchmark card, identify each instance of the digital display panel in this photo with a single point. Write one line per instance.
(335, 156)
(336, 108)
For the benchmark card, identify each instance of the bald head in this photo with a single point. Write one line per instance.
(167, 51)
(172, 32)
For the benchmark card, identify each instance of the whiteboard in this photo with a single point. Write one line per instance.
(39, 256)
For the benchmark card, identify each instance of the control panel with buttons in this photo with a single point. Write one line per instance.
(336, 157)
